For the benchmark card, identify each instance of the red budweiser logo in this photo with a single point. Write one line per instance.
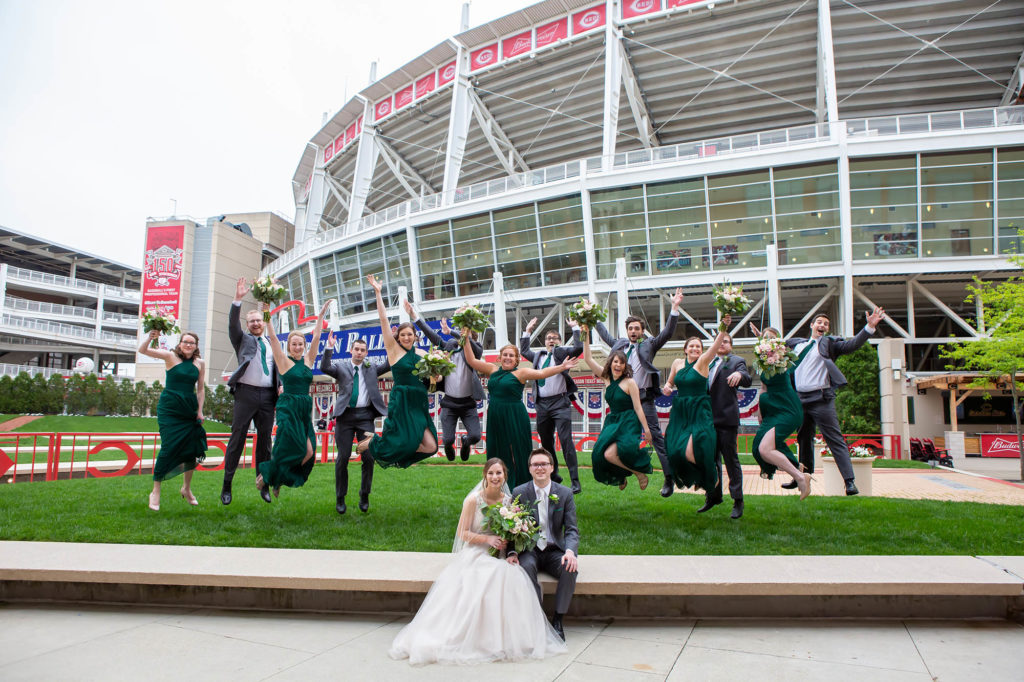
(1003, 445)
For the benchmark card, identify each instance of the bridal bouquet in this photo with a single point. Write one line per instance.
(587, 313)
(267, 290)
(772, 356)
(730, 300)
(435, 363)
(472, 317)
(162, 320)
(512, 522)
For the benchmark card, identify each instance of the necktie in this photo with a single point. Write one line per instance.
(546, 363)
(629, 353)
(714, 369)
(263, 354)
(542, 518)
(355, 386)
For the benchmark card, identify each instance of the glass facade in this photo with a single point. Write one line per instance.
(560, 225)
(1010, 193)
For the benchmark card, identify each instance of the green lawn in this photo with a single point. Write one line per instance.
(416, 509)
(83, 424)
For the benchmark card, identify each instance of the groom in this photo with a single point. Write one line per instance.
(555, 511)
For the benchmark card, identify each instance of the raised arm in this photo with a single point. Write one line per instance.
(234, 326)
(634, 394)
(314, 345)
(550, 371)
(390, 342)
(422, 325)
(524, 341)
(602, 331)
(326, 360)
(159, 353)
(484, 368)
(588, 358)
(705, 358)
(669, 329)
(846, 346)
(282, 362)
(575, 345)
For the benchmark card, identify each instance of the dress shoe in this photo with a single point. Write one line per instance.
(668, 488)
(189, 497)
(155, 506)
(851, 489)
(737, 509)
(642, 480)
(449, 452)
(557, 478)
(225, 495)
(340, 508)
(364, 503)
(708, 504)
(265, 494)
(792, 485)
(556, 623)
(464, 450)
(576, 488)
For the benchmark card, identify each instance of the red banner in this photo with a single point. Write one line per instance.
(485, 56)
(552, 33)
(162, 270)
(339, 143)
(328, 153)
(999, 445)
(638, 8)
(517, 45)
(446, 74)
(403, 98)
(680, 3)
(426, 85)
(588, 19)
(382, 109)
(350, 133)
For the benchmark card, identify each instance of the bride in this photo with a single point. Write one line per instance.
(480, 608)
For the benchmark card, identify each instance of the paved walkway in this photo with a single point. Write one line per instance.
(17, 422)
(97, 643)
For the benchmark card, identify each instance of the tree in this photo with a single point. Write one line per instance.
(39, 394)
(999, 356)
(75, 399)
(153, 396)
(109, 393)
(54, 394)
(858, 404)
(125, 397)
(21, 391)
(6, 394)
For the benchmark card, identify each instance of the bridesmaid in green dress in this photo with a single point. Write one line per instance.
(617, 453)
(291, 460)
(508, 424)
(409, 434)
(690, 436)
(781, 415)
(179, 414)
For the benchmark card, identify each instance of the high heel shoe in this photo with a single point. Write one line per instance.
(364, 444)
(276, 491)
(154, 507)
(625, 482)
(642, 479)
(805, 486)
(190, 497)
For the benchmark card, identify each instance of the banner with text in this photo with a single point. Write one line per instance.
(162, 272)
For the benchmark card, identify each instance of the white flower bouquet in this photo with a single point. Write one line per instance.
(730, 299)
(772, 356)
(514, 523)
(434, 364)
(586, 313)
(162, 320)
(267, 290)
(472, 317)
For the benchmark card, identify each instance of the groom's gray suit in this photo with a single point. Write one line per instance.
(561, 533)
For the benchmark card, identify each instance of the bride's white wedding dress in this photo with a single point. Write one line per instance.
(480, 609)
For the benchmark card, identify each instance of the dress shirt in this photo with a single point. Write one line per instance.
(716, 363)
(542, 514)
(363, 398)
(457, 384)
(254, 374)
(553, 385)
(811, 374)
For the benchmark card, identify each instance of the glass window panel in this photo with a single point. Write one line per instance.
(396, 254)
(1011, 199)
(561, 237)
(515, 237)
(437, 270)
(371, 261)
(474, 253)
(350, 298)
(956, 238)
(619, 231)
(327, 279)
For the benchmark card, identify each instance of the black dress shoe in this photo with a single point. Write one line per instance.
(668, 488)
(556, 623)
(556, 478)
(464, 450)
(576, 488)
(364, 503)
(789, 486)
(340, 508)
(449, 452)
(265, 494)
(851, 489)
(708, 504)
(225, 496)
(737, 509)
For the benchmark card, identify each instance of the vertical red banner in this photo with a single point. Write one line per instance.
(162, 272)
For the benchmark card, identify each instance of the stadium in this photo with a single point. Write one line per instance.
(828, 156)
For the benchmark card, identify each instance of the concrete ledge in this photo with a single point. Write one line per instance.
(647, 586)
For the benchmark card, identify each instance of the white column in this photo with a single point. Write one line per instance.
(622, 299)
(892, 362)
(99, 308)
(314, 286)
(588, 243)
(414, 261)
(366, 161)
(612, 85)
(827, 63)
(500, 319)
(773, 289)
(846, 301)
(403, 296)
(314, 204)
(3, 286)
(458, 125)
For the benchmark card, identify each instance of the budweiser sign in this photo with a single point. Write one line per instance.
(999, 445)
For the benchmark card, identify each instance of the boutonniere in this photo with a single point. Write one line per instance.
(553, 497)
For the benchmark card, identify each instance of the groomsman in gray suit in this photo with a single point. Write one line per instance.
(640, 353)
(254, 384)
(554, 509)
(358, 404)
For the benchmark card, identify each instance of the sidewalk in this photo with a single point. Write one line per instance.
(110, 643)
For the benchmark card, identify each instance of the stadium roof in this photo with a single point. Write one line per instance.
(35, 253)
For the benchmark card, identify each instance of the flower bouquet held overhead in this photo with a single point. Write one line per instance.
(730, 300)
(436, 363)
(587, 313)
(514, 523)
(159, 319)
(267, 290)
(470, 316)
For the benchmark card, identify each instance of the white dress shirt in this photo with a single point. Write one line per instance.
(542, 514)
(364, 395)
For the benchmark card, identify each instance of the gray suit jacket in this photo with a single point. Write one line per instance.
(560, 353)
(245, 347)
(452, 345)
(831, 347)
(341, 371)
(646, 350)
(561, 514)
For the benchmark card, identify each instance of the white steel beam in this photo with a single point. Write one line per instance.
(950, 313)
(612, 87)
(832, 291)
(314, 206)
(508, 155)
(458, 124)
(402, 169)
(637, 101)
(888, 319)
(826, 94)
(341, 195)
(1015, 87)
(366, 161)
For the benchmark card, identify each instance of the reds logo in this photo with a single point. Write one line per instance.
(163, 265)
(590, 19)
(449, 72)
(642, 6)
(384, 108)
(485, 57)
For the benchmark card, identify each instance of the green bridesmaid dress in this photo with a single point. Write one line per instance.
(294, 431)
(781, 410)
(182, 436)
(691, 417)
(508, 426)
(621, 427)
(408, 416)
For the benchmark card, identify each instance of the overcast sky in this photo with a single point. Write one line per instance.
(110, 109)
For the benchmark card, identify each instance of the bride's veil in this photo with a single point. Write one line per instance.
(467, 520)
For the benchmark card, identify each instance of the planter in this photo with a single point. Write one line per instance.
(834, 483)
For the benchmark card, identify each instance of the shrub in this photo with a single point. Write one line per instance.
(55, 388)
(858, 404)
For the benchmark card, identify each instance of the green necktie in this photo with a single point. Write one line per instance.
(711, 372)
(546, 363)
(355, 386)
(263, 354)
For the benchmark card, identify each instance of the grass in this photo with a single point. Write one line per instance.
(417, 509)
(84, 424)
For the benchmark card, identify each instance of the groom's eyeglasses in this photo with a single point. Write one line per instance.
(540, 464)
